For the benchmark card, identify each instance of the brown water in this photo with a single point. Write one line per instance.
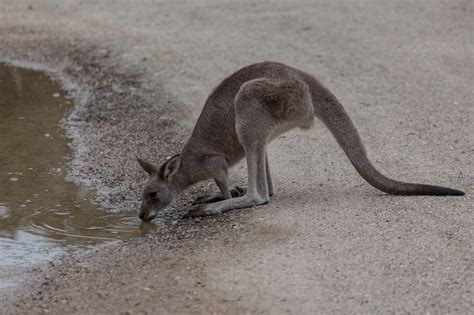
(41, 213)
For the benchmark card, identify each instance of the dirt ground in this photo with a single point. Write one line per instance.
(328, 242)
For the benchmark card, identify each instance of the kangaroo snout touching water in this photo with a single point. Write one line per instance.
(241, 116)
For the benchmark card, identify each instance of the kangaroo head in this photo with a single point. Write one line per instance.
(159, 191)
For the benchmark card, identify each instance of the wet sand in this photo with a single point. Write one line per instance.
(328, 242)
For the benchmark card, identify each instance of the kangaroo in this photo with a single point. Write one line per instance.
(241, 116)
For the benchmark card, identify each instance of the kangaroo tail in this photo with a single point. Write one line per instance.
(328, 108)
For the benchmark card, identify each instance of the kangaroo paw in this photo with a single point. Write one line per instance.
(237, 191)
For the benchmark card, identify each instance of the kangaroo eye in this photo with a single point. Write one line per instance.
(152, 194)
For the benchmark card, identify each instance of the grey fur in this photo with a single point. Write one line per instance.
(241, 116)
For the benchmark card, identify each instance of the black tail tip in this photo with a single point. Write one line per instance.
(442, 191)
(459, 192)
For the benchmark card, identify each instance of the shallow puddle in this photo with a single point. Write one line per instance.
(41, 213)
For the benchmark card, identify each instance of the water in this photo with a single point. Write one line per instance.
(41, 213)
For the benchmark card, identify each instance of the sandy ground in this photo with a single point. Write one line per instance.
(329, 242)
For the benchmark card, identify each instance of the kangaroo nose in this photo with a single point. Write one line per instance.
(142, 216)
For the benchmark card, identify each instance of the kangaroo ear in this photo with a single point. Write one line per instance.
(170, 167)
(148, 167)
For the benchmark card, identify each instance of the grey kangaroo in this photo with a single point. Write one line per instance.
(241, 116)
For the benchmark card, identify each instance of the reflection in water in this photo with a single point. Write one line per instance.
(41, 214)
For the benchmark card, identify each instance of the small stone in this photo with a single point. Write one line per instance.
(56, 95)
(13, 179)
(47, 135)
